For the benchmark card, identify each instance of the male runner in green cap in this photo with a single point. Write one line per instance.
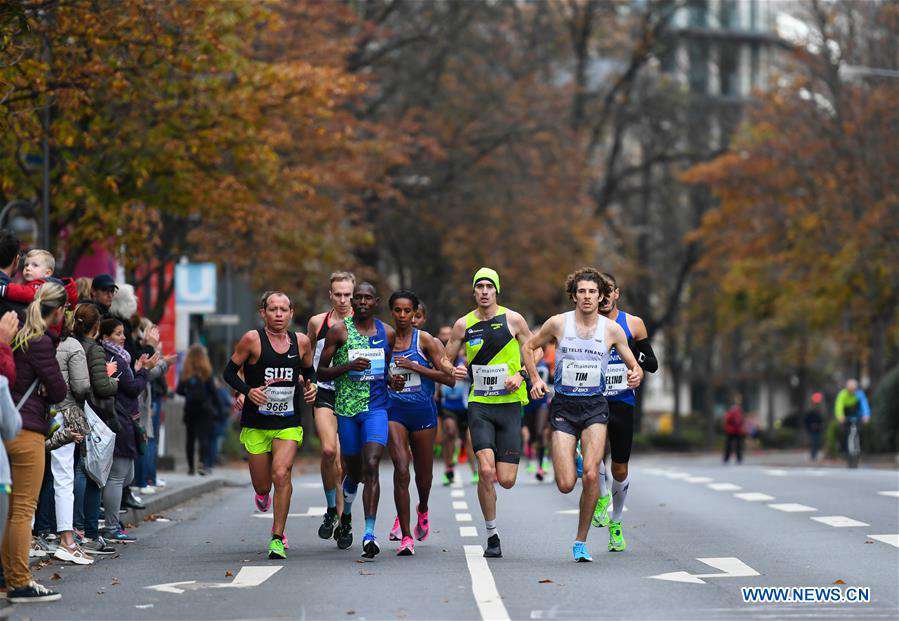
(493, 337)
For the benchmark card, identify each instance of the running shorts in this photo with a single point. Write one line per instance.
(496, 426)
(258, 441)
(572, 415)
(324, 398)
(412, 419)
(356, 431)
(621, 430)
(460, 416)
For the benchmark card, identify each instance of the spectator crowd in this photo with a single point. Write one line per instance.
(82, 380)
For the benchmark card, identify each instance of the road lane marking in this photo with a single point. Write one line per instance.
(731, 566)
(893, 540)
(248, 576)
(890, 493)
(463, 517)
(468, 531)
(754, 497)
(483, 587)
(457, 493)
(777, 473)
(838, 521)
(460, 504)
(699, 479)
(574, 511)
(312, 512)
(677, 475)
(723, 487)
(792, 507)
(457, 483)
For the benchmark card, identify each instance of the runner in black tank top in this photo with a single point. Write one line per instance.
(340, 294)
(277, 373)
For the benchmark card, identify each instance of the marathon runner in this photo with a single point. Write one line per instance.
(453, 416)
(274, 362)
(412, 416)
(579, 411)
(359, 349)
(340, 293)
(489, 334)
(622, 399)
(421, 316)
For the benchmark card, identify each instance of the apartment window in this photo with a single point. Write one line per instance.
(729, 15)
(754, 64)
(698, 11)
(729, 69)
(698, 53)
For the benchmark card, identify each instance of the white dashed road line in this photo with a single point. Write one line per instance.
(723, 487)
(889, 493)
(754, 497)
(490, 604)
(893, 540)
(699, 479)
(460, 505)
(838, 521)
(468, 531)
(792, 507)
(457, 493)
(463, 517)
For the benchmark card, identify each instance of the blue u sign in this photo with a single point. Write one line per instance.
(195, 287)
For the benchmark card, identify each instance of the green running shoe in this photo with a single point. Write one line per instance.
(532, 468)
(601, 513)
(276, 549)
(475, 479)
(616, 539)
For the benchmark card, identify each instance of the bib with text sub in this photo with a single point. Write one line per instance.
(581, 376)
(412, 379)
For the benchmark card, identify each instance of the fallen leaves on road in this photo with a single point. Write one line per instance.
(351, 612)
(365, 572)
(155, 517)
(545, 581)
(359, 560)
(229, 574)
(115, 582)
(55, 577)
(838, 581)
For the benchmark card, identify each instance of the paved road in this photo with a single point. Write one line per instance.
(679, 510)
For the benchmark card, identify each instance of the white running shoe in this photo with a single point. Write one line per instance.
(73, 555)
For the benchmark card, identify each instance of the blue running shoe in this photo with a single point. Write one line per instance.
(370, 547)
(579, 463)
(579, 550)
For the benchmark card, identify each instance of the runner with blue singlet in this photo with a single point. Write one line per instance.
(356, 354)
(412, 417)
(622, 401)
(579, 411)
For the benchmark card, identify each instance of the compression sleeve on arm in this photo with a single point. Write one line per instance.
(308, 374)
(646, 357)
(233, 379)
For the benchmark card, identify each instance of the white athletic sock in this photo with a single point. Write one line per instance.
(619, 494)
(491, 528)
(603, 482)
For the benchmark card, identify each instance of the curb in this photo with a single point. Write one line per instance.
(160, 502)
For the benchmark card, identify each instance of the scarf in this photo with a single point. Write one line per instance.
(117, 350)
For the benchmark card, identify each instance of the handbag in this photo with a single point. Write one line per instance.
(99, 447)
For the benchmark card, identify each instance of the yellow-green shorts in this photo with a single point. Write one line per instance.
(258, 441)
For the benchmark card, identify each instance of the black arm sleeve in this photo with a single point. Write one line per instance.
(646, 356)
(308, 374)
(233, 379)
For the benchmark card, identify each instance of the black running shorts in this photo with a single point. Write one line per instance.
(572, 415)
(496, 426)
(324, 398)
(621, 430)
(460, 416)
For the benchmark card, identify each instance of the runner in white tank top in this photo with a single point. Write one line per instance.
(579, 411)
(340, 294)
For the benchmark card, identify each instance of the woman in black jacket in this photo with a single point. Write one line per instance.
(201, 405)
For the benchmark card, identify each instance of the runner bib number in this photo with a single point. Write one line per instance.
(279, 401)
(490, 379)
(583, 376)
(616, 378)
(411, 378)
(375, 370)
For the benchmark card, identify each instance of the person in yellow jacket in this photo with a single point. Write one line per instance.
(493, 337)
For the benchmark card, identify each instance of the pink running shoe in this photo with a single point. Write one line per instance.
(395, 533)
(407, 547)
(263, 502)
(422, 529)
(283, 539)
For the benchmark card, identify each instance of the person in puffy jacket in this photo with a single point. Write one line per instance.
(734, 430)
(34, 350)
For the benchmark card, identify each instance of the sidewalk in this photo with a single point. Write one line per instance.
(180, 488)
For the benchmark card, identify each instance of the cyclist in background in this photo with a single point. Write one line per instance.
(851, 404)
